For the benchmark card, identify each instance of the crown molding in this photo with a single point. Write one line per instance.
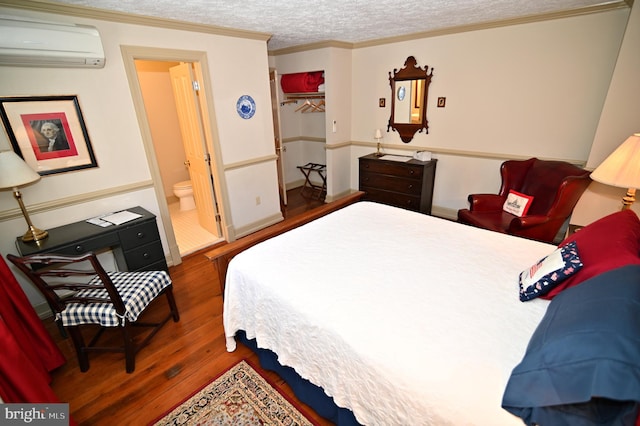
(312, 46)
(48, 6)
(620, 4)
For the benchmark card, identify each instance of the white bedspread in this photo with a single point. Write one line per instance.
(401, 317)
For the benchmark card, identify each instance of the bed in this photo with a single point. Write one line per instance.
(399, 317)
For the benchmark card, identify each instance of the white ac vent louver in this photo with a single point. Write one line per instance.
(47, 44)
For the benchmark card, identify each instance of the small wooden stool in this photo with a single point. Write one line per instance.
(316, 190)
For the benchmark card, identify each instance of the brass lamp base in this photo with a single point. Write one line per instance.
(629, 199)
(378, 152)
(34, 234)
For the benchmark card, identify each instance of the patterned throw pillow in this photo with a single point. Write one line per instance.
(549, 272)
(517, 203)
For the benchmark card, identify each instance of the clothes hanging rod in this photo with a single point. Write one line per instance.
(310, 95)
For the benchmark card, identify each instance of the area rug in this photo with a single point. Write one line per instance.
(240, 396)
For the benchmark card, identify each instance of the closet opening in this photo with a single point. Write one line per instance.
(302, 131)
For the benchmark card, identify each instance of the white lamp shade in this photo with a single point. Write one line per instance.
(622, 167)
(378, 134)
(14, 172)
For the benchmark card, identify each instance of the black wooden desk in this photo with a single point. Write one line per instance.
(136, 244)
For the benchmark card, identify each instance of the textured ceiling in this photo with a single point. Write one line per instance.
(299, 22)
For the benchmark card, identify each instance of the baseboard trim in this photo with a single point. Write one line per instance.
(444, 212)
(256, 226)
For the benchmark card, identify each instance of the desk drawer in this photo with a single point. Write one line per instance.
(90, 244)
(392, 198)
(392, 168)
(390, 183)
(141, 257)
(139, 235)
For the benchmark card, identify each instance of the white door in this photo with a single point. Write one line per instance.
(275, 111)
(198, 159)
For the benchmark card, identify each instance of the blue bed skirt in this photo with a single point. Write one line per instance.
(306, 391)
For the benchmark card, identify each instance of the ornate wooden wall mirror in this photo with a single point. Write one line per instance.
(409, 90)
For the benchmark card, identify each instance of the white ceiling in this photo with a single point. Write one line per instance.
(299, 22)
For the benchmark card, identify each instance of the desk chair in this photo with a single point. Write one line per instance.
(108, 299)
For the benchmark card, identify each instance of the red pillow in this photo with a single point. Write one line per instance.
(608, 243)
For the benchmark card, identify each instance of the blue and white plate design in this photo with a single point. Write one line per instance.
(246, 107)
(401, 93)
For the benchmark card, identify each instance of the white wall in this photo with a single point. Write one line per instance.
(244, 140)
(534, 89)
(510, 90)
(619, 120)
(123, 177)
(531, 89)
(340, 97)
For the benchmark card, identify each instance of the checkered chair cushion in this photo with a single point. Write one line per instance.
(137, 290)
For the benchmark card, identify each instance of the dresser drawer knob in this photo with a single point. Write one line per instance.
(146, 255)
(79, 248)
(140, 234)
(411, 172)
(410, 186)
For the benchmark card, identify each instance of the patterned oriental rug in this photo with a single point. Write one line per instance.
(240, 396)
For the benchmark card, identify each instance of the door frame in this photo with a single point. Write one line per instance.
(130, 54)
(277, 132)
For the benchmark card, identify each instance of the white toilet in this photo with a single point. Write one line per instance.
(184, 191)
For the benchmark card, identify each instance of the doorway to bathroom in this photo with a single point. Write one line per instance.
(175, 124)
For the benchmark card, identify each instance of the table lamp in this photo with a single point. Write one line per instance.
(377, 137)
(622, 169)
(14, 172)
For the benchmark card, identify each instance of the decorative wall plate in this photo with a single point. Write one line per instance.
(246, 107)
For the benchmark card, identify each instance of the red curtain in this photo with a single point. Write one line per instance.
(28, 351)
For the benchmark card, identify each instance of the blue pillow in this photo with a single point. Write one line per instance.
(549, 271)
(582, 364)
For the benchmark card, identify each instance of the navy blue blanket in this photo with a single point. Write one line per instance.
(582, 364)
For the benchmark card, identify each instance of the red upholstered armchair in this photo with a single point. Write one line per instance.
(556, 187)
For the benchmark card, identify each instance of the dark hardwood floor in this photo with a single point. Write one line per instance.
(180, 359)
(297, 203)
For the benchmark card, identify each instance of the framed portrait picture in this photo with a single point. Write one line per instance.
(48, 132)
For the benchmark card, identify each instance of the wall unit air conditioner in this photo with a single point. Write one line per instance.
(47, 44)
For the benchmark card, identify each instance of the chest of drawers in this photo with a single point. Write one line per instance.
(403, 184)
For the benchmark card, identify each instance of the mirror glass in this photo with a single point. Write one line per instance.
(409, 101)
(409, 89)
